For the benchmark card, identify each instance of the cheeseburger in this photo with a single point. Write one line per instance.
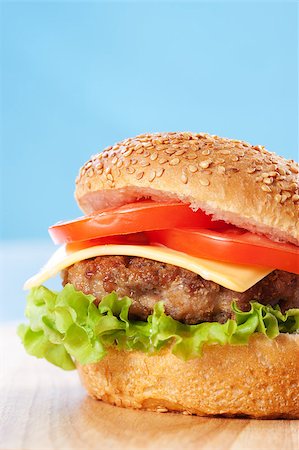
(180, 282)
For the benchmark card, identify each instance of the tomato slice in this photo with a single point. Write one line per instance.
(131, 218)
(230, 245)
(125, 239)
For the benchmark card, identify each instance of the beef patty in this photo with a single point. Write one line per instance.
(187, 297)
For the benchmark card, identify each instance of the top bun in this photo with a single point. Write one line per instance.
(234, 181)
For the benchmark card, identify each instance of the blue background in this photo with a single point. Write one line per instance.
(78, 76)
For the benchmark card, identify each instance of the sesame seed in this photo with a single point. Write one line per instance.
(134, 161)
(180, 152)
(98, 165)
(152, 175)
(251, 170)
(281, 178)
(277, 198)
(138, 146)
(140, 150)
(281, 171)
(109, 177)
(144, 163)
(283, 198)
(128, 152)
(273, 174)
(162, 410)
(191, 156)
(235, 158)
(221, 169)
(287, 194)
(163, 160)
(119, 163)
(224, 152)
(184, 178)
(139, 175)
(266, 188)
(294, 169)
(90, 172)
(154, 156)
(268, 180)
(159, 172)
(169, 151)
(174, 161)
(206, 152)
(205, 164)
(130, 169)
(295, 198)
(204, 182)
(220, 161)
(114, 160)
(192, 168)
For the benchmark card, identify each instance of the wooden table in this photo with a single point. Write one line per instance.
(42, 407)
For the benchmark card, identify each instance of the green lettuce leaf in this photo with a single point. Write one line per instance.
(66, 327)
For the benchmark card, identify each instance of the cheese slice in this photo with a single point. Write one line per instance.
(236, 277)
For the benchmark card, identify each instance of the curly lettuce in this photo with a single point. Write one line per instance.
(67, 326)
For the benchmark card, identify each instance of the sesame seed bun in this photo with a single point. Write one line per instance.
(242, 184)
(259, 380)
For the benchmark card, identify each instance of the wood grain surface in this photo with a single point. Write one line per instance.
(42, 407)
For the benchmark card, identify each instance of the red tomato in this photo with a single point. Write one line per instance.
(131, 218)
(230, 245)
(125, 239)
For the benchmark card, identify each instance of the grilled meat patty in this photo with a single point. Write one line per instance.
(187, 297)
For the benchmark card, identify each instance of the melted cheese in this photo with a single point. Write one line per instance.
(232, 276)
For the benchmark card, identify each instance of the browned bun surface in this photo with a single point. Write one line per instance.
(258, 380)
(242, 184)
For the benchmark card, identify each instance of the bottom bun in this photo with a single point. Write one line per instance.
(259, 380)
